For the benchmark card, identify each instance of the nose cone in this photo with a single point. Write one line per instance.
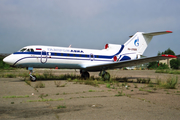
(9, 60)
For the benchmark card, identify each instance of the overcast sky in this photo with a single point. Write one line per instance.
(87, 23)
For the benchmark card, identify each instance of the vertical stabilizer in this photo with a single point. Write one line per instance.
(139, 42)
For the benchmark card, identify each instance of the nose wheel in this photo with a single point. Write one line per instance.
(33, 78)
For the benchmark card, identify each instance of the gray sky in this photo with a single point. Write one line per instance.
(87, 23)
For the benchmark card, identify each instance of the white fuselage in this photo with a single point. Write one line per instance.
(63, 57)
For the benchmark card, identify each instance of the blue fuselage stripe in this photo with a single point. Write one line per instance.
(72, 55)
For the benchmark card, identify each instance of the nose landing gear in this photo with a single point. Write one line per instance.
(32, 78)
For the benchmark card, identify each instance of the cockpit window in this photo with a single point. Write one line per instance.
(32, 50)
(22, 50)
(27, 50)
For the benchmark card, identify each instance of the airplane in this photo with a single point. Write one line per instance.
(87, 60)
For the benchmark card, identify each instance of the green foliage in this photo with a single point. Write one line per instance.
(120, 93)
(45, 100)
(175, 63)
(170, 83)
(168, 71)
(152, 65)
(92, 91)
(162, 66)
(3, 65)
(16, 96)
(108, 85)
(150, 84)
(61, 106)
(168, 51)
(93, 83)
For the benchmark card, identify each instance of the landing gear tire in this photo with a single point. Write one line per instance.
(106, 76)
(33, 78)
(84, 75)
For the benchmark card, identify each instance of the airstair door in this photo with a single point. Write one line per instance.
(43, 56)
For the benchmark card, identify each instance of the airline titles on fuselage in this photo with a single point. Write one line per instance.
(65, 50)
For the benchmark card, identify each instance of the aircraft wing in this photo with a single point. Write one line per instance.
(128, 63)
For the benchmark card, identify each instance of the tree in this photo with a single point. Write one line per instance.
(168, 51)
(175, 63)
(156, 65)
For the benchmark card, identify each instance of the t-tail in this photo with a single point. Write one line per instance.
(138, 43)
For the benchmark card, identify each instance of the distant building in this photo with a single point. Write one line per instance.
(167, 61)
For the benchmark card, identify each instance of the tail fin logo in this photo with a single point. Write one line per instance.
(136, 42)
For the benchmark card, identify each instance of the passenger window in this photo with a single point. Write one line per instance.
(55, 54)
(61, 54)
(28, 50)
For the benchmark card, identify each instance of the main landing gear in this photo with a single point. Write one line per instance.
(105, 75)
(84, 74)
(32, 78)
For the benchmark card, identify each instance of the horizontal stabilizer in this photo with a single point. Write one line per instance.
(157, 33)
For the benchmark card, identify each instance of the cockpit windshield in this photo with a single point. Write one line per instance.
(26, 50)
(23, 50)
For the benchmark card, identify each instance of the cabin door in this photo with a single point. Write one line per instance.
(91, 56)
(43, 56)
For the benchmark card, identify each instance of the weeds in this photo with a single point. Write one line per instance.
(135, 85)
(120, 93)
(16, 96)
(150, 84)
(58, 84)
(39, 85)
(92, 91)
(171, 83)
(45, 100)
(28, 82)
(108, 85)
(168, 71)
(43, 95)
(61, 106)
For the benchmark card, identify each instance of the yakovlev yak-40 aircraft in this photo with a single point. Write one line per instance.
(111, 57)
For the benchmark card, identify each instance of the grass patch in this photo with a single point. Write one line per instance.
(170, 83)
(26, 96)
(45, 100)
(58, 84)
(92, 91)
(168, 71)
(39, 85)
(120, 93)
(28, 82)
(108, 85)
(61, 106)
